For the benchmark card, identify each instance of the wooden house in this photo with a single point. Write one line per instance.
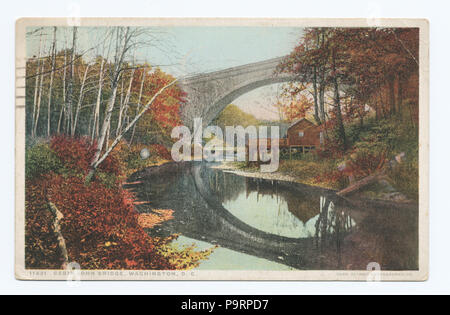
(301, 136)
(304, 136)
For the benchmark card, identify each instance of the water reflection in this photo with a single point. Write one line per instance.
(288, 223)
(265, 206)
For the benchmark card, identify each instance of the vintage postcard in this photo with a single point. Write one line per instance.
(222, 149)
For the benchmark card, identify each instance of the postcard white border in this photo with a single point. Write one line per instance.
(421, 275)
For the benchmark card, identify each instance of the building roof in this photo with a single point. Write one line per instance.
(298, 121)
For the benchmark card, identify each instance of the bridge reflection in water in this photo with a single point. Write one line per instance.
(296, 225)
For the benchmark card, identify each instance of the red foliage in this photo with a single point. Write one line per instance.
(379, 65)
(111, 164)
(77, 154)
(161, 151)
(100, 224)
(331, 177)
(330, 150)
(363, 165)
(165, 110)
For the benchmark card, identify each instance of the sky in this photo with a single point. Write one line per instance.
(185, 51)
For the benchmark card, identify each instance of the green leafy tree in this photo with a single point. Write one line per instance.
(234, 116)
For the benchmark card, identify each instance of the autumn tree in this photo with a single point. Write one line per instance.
(359, 67)
(97, 91)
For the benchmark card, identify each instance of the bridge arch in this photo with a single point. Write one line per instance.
(215, 109)
(208, 94)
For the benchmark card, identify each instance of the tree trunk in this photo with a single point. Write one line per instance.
(361, 184)
(36, 86)
(106, 121)
(316, 105)
(80, 100)
(400, 92)
(126, 102)
(51, 83)
(391, 86)
(95, 128)
(63, 106)
(117, 71)
(119, 119)
(69, 114)
(97, 159)
(322, 101)
(144, 72)
(38, 107)
(337, 104)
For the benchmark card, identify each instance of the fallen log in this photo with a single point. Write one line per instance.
(132, 183)
(57, 229)
(358, 185)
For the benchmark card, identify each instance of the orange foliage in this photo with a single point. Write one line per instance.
(165, 110)
(298, 108)
(149, 220)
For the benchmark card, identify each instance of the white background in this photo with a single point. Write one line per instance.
(435, 11)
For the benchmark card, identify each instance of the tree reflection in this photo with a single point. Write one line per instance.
(332, 226)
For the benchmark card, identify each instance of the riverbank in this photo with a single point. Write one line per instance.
(238, 169)
(380, 191)
(98, 221)
(386, 147)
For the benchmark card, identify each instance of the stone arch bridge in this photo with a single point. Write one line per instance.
(209, 93)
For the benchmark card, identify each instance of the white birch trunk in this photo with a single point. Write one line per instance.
(51, 83)
(38, 107)
(124, 105)
(120, 55)
(128, 127)
(139, 103)
(95, 127)
(80, 100)
(69, 113)
(63, 107)
(36, 86)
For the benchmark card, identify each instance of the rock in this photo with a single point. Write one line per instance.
(387, 186)
(395, 196)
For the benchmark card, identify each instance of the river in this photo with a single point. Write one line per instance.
(275, 225)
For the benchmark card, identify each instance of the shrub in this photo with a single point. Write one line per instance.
(40, 159)
(101, 226)
(160, 151)
(330, 150)
(405, 177)
(332, 178)
(113, 165)
(131, 158)
(364, 162)
(77, 154)
(107, 179)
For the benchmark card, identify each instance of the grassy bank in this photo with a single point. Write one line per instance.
(372, 146)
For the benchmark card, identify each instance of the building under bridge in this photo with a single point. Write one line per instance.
(302, 136)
